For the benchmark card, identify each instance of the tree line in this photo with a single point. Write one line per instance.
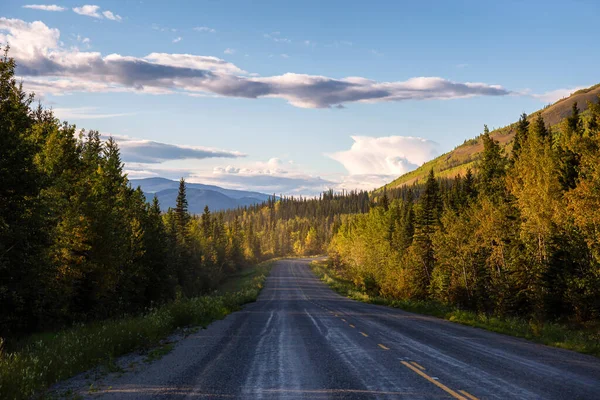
(519, 236)
(78, 243)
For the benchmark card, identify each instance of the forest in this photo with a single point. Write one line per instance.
(518, 235)
(79, 244)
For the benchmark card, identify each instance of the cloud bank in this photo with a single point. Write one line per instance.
(45, 7)
(151, 152)
(273, 176)
(373, 161)
(555, 95)
(49, 67)
(388, 155)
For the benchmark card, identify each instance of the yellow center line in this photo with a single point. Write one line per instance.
(364, 334)
(436, 383)
(352, 326)
(383, 347)
(416, 364)
(469, 395)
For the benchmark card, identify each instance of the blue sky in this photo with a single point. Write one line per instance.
(295, 97)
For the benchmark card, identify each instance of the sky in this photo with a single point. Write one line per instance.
(297, 97)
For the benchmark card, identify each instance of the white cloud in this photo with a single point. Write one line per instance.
(44, 7)
(204, 29)
(144, 152)
(177, 39)
(111, 16)
(93, 11)
(88, 11)
(275, 36)
(283, 55)
(84, 40)
(213, 64)
(78, 113)
(47, 66)
(385, 156)
(555, 95)
(229, 51)
(273, 176)
(363, 182)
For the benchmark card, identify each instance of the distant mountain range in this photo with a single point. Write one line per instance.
(198, 195)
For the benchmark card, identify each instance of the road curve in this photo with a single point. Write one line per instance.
(302, 340)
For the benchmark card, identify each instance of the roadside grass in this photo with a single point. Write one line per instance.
(45, 359)
(584, 339)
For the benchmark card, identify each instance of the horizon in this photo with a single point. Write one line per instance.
(284, 102)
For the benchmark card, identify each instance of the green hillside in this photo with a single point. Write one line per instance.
(464, 156)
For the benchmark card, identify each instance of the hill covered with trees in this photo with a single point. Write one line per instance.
(465, 156)
(517, 236)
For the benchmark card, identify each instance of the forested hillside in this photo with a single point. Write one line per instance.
(518, 236)
(465, 156)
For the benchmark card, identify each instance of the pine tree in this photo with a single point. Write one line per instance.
(469, 185)
(182, 216)
(492, 167)
(520, 135)
(574, 122)
(385, 201)
(538, 128)
(22, 268)
(426, 222)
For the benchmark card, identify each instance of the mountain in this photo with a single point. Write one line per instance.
(464, 156)
(198, 195)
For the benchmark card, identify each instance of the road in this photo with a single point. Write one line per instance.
(302, 340)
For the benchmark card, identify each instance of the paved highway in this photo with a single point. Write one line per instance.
(302, 340)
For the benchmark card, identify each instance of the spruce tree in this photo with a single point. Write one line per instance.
(21, 229)
(182, 216)
(492, 167)
(520, 135)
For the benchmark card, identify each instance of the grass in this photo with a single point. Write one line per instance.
(43, 360)
(584, 340)
(158, 352)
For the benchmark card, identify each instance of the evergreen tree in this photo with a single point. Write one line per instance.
(22, 269)
(520, 135)
(385, 201)
(491, 168)
(426, 223)
(182, 216)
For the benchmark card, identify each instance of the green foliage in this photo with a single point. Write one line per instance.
(42, 360)
(491, 168)
(517, 240)
(584, 339)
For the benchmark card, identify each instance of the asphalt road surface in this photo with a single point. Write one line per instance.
(302, 340)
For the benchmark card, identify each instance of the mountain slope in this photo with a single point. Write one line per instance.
(464, 156)
(198, 195)
(153, 185)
